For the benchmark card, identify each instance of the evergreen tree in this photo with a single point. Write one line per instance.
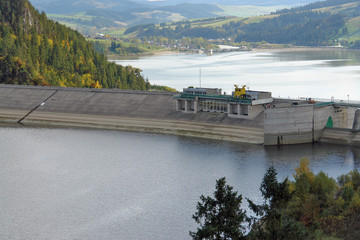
(273, 225)
(220, 217)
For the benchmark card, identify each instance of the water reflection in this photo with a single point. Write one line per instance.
(292, 74)
(322, 157)
(333, 57)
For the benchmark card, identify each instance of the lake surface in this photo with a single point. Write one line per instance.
(317, 73)
(84, 184)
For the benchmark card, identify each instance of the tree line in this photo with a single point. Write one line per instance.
(37, 51)
(312, 206)
(124, 47)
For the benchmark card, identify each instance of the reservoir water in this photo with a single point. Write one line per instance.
(84, 184)
(324, 73)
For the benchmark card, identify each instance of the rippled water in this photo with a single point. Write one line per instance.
(83, 184)
(317, 73)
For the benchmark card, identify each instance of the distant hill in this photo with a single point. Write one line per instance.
(38, 51)
(317, 24)
(218, 2)
(85, 14)
(73, 6)
(231, 2)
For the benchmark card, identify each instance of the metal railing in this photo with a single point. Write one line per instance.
(225, 98)
(333, 100)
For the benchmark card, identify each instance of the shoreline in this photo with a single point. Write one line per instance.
(301, 49)
(167, 52)
(114, 57)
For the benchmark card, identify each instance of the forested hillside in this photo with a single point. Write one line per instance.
(304, 28)
(38, 51)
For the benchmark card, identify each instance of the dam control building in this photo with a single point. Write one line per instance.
(193, 100)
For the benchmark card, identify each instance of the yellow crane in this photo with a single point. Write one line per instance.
(240, 92)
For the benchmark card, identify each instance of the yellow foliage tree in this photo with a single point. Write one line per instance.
(304, 169)
(97, 85)
(86, 80)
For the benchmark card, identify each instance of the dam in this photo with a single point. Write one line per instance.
(262, 120)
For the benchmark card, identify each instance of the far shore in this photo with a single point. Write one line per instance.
(166, 52)
(135, 56)
(301, 49)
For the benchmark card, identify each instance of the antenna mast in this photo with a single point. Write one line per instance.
(200, 76)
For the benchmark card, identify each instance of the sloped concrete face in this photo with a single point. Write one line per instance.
(111, 103)
(105, 102)
(18, 97)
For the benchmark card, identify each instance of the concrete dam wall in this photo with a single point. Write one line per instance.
(119, 109)
(277, 123)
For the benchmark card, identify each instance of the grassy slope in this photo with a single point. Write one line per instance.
(353, 26)
(339, 8)
(70, 21)
(214, 22)
(249, 10)
(219, 23)
(80, 15)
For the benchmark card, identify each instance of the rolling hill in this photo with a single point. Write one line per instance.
(89, 16)
(231, 2)
(92, 15)
(73, 6)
